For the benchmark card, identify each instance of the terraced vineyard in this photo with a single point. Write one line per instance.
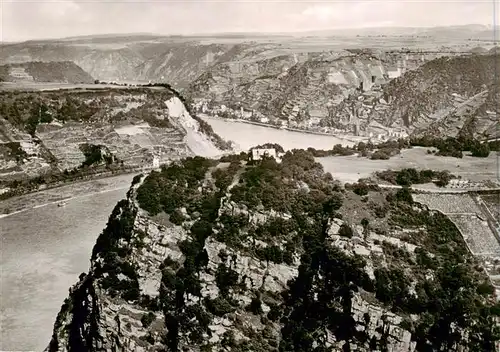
(44, 132)
(477, 226)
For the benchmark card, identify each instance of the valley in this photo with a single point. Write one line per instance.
(240, 266)
(90, 194)
(339, 82)
(366, 220)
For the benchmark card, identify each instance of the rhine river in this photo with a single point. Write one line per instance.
(43, 250)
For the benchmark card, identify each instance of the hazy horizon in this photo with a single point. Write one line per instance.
(50, 19)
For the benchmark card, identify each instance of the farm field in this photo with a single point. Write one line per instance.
(472, 222)
(493, 203)
(351, 168)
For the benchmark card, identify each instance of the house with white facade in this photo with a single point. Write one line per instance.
(259, 153)
(156, 162)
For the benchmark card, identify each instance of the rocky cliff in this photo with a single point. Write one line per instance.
(446, 97)
(67, 130)
(260, 256)
(177, 61)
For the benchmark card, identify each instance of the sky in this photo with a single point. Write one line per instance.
(31, 19)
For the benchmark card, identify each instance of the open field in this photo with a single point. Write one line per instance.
(351, 168)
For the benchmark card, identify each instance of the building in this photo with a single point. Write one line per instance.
(394, 72)
(259, 153)
(459, 183)
(156, 162)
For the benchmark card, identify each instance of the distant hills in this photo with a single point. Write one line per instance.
(309, 76)
(61, 72)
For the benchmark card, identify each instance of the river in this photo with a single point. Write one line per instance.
(246, 135)
(43, 250)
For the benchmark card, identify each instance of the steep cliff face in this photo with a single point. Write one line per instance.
(212, 256)
(447, 96)
(447, 93)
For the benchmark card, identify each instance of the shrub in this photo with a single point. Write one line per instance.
(404, 195)
(380, 155)
(255, 306)
(480, 150)
(147, 319)
(176, 217)
(345, 231)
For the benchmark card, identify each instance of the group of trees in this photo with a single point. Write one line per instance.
(383, 150)
(455, 147)
(437, 302)
(449, 146)
(175, 186)
(95, 154)
(13, 151)
(409, 176)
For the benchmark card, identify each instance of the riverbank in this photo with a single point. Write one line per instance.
(21, 191)
(64, 192)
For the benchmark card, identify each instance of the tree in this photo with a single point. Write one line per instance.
(332, 204)
(361, 146)
(480, 150)
(404, 195)
(345, 231)
(365, 222)
(360, 188)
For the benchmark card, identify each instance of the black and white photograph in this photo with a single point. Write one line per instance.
(249, 176)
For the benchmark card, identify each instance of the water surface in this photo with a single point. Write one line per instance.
(246, 135)
(43, 250)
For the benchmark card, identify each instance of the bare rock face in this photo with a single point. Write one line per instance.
(205, 256)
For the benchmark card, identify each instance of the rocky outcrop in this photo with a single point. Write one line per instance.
(208, 267)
